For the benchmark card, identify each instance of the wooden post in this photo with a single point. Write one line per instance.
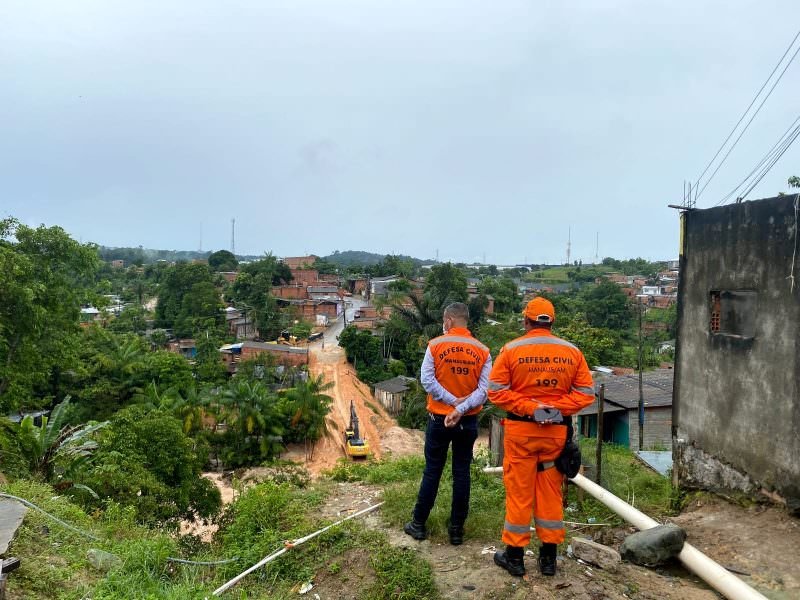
(599, 451)
(496, 442)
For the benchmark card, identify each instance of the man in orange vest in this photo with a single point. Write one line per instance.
(455, 373)
(540, 380)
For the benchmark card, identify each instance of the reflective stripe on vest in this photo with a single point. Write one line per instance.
(496, 387)
(584, 390)
(533, 341)
(458, 338)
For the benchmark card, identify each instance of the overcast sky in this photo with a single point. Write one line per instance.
(472, 128)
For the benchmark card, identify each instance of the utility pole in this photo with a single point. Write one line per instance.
(233, 236)
(641, 392)
(569, 244)
(597, 249)
(599, 452)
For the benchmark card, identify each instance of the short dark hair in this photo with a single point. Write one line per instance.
(458, 311)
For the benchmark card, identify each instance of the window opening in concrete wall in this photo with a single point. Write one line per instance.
(733, 312)
(715, 308)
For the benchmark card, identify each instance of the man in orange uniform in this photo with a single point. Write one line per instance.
(536, 373)
(455, 373)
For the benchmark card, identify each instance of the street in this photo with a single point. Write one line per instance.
(352, 304)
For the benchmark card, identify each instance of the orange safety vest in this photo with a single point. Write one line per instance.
(458, 360)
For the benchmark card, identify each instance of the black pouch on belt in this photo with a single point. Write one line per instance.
(569, 461)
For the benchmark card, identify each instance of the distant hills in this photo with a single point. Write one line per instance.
(143, 256)
(350, 258)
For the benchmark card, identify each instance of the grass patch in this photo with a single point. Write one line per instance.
(401, 575)
(379, 472)
(625, 476)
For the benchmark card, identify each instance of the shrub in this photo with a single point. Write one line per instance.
(145, 460)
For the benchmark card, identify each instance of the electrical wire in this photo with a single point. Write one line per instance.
(47, 514)
(97, 539)
(772, 163)
(765, 158)
(742, 132)
(749, 106)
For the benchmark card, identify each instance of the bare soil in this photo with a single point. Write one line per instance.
(381, 431)
(761, 541)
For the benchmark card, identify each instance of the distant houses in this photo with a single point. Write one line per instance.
(289, 356)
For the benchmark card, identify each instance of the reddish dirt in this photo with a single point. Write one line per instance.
(381, 431)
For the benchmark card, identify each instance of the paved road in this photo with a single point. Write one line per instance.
(353, 303)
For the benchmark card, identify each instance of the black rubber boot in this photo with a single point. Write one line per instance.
(416, 530)
(547, 559)
(511, 560)
(456, 534)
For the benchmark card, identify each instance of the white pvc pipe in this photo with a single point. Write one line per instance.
(287, 546)
(719, 578)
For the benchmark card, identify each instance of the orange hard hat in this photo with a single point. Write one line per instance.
(540, 310)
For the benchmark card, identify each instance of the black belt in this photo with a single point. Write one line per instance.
(440, 418)
(514, 417)
(530, 419)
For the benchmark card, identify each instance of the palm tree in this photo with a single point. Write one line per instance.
(253, 419)
(423, 316)
(190, 407)
(310, 406)
(54, 442)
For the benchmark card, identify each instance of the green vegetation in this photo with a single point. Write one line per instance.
(55, 561)
(42, 284)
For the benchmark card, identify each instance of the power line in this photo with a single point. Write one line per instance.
(789, 141)
(776, 147)
(744, 114)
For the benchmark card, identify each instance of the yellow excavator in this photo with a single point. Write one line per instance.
(356, 446)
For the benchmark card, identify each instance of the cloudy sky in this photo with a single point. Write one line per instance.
(471, 128)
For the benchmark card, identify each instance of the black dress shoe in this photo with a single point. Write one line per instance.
(416, 530)
(515, 565)
(547, 565)
(456, 535)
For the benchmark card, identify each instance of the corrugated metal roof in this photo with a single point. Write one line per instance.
(394, 385)
(624, 389)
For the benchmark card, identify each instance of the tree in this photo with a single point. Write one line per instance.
(598, 345)
(446, 284)
(607, 306)
(145, 460)
(222, 260)
(44, 276)
(187, 295)
(253, 288)
(504, 291)
(254, 423)
(130, 320)
(308, 406)
(56, 443)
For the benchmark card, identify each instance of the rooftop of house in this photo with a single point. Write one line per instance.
(239, 346)
(623, 390)
(395, 384)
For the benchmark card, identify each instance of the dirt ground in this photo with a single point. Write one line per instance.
(731, 535)
(378, 427)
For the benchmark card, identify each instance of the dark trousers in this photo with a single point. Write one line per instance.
(437, 439)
